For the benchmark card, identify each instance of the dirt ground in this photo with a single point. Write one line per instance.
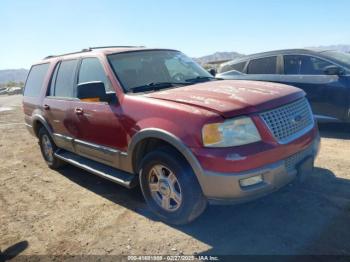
(73, 212)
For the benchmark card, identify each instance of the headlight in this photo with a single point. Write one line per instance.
(233, 132)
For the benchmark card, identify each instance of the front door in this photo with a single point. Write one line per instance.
(95, 126)
(327, 94)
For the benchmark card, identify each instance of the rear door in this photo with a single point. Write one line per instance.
(57, 100)
(327, 94)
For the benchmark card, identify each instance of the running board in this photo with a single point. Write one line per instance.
(125, 179)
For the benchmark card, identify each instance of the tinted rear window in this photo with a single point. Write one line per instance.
(35, 80)
(292, 64)
(66, 78)
(265, 65)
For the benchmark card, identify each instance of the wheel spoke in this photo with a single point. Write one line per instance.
(166, 202)
(172, 178)
(154, 187)
(157, 170)
(176, 197)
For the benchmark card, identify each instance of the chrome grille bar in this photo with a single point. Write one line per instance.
(290, 121)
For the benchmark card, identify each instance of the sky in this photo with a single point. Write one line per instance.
(31, 30)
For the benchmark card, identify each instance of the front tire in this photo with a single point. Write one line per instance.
(48, 149)
(170, 187)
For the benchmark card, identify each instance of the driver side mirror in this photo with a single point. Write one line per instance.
(212, 71)
(334, 70)
(92, 92)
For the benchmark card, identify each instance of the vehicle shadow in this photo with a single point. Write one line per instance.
(13, 251)
(308, 218)
(334, 130)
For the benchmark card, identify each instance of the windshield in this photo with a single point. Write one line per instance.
(340, 56)
(139, 70)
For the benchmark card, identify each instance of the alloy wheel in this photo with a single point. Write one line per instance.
(165, 188)
(47, 148)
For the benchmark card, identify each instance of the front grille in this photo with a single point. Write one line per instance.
(292, 161)
(290, 121)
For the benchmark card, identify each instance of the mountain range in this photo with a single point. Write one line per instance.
(15, 75)
(19, 75)
(218, 56)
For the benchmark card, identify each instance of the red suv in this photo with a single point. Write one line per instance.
(155, 118)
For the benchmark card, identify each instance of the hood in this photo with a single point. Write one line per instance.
(232, 97)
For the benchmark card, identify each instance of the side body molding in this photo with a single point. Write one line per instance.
(121, 160)
(169, 138)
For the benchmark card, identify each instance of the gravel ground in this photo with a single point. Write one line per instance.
(73, 212)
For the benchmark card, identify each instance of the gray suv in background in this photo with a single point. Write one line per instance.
(323, 75)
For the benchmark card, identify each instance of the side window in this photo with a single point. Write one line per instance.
(266, 65)
(238, 67)
(35, 80)
(92, 70)
(312, 66)
(291, 64)
(65, 79)
(304, 65)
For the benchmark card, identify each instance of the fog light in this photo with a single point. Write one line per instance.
(250, 181)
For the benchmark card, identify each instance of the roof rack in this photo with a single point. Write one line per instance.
(92, 48)
(116, 46)
(72, 53)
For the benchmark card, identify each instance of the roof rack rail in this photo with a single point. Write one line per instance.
(91, 48)
(116, 46)
(72, 53)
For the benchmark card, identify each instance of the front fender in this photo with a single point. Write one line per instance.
(169, 138)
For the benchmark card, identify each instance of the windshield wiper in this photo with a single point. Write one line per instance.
(201, 79)
(155, 86)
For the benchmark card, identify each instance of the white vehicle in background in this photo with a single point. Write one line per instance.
(3, 90)
(14, 90)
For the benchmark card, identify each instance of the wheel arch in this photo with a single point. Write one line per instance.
(39, 121)
(158, 135)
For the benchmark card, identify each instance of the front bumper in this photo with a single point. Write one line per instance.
(225, 188)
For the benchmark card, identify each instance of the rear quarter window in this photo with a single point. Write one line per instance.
(35, 80)
(238, 67)
(266, 65)
(232, 66)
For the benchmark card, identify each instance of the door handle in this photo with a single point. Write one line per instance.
(46, 107)
(79, 110)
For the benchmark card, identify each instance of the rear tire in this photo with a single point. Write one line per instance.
(170, 187)
(48, 149)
